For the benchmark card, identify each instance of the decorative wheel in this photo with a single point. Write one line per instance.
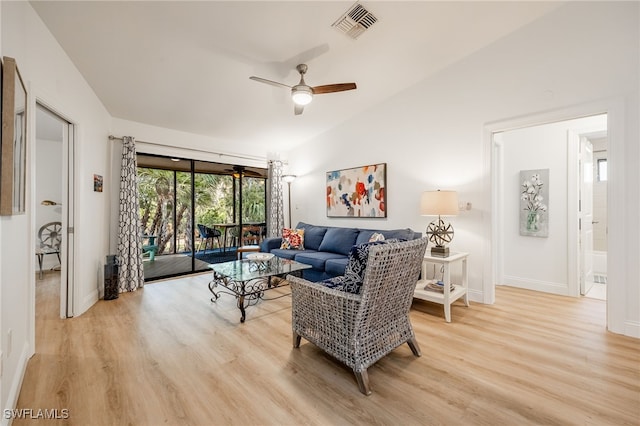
(50, 235)
(440, 232)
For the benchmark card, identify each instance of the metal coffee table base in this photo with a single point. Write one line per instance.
(247, 293)
(248, 280)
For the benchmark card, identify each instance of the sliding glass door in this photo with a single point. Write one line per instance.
(190, 212)
(214, 209)
(156, 190)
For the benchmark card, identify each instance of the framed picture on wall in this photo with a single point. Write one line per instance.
(357, 192)
(14, 142)
(534, 203)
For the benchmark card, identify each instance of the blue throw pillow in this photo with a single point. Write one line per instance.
(339, 240)
(353, 276)
(358, 257)
(343, 283)
(313, 235)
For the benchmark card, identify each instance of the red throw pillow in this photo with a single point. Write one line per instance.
(292, 239)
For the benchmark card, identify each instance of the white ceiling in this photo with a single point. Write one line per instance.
(186, 65)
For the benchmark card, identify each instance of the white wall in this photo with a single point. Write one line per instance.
(52, 78)
(533, 262)
(431, 136)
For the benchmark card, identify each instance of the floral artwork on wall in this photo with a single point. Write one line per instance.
(534, 203)
(357, 192)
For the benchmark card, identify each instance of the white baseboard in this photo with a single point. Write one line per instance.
(16, 384)
(545, 286)
(632, 329)
(476, 295)
(86, 303)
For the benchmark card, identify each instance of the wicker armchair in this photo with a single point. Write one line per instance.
(359, 329)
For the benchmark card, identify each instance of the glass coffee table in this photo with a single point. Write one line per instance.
(249, 279)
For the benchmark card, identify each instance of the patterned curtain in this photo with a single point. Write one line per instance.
(275, 206)
(131, 272)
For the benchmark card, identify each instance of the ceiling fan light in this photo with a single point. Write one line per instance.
(301, 95)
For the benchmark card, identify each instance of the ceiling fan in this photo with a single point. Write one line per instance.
(302, 93)
(236, 171)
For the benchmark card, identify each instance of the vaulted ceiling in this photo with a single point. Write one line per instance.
(186, 65)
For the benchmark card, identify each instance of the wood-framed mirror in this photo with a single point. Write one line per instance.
(14, 140)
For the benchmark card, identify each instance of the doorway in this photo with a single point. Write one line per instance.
(561, 261)
(54, 147)
(594, 174)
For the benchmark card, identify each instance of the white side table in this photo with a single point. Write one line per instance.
(449, 295)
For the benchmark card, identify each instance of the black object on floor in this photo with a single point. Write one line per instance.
(111, 278)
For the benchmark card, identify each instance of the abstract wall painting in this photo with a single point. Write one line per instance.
(357, 192)
(534, 203)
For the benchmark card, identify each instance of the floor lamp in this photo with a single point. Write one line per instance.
(289, 179)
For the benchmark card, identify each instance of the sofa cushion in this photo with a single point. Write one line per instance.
(335, 267)
(292, 239)
(316, 259)
(314, 275)
(313, 235)
(339, 240)
(401, 234)
(289, 254)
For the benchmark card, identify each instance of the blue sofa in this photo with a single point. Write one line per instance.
(326, 248)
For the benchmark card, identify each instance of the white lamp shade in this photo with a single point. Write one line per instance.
(288, 178)
(439, 203)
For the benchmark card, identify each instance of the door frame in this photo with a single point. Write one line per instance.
(67, 254)
(615, 110)
(573, 192)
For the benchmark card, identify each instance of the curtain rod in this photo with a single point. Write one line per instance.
(244, 157)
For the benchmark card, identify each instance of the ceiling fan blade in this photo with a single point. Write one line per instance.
(331, 88)
(271, 82)
(251, 173)
(297, 109)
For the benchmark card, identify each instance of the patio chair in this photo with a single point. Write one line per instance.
(250, 241)
(360, 328)
(251, 234)
(149, 246)
(207, 234)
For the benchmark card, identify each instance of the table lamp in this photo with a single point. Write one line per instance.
(439, 203)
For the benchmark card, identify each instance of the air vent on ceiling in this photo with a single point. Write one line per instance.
(355, 21)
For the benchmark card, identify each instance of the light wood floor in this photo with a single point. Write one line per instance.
(167, 355)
